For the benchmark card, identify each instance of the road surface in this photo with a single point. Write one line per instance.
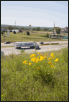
(43, 48)
(60, 42)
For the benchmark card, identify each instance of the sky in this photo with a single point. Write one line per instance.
(35, 13)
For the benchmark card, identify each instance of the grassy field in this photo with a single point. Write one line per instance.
(37, 37)
(37, 77)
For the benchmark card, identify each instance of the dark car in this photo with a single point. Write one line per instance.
(41, 42)
(8, 42)
(20, 31)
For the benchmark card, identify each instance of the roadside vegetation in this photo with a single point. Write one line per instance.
(38, 36)
(35, 77)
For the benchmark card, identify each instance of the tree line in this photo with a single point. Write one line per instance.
(23, 28)
(34, 29)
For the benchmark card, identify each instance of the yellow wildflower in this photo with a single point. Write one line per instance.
(33, 59)
(52, 54)
(38, 68)
(41, 55)
(37, 59)
(56, 60)
(29, 63)
(50, 58)
(41, 58)
(24, 61)
(38, 52)
(49, 62)
(45, 57)
(52, 65)
(33, 55)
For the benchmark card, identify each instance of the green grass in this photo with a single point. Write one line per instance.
(37, 37)
(21, 82)
(6, 46)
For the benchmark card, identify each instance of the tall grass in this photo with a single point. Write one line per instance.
(37, 81)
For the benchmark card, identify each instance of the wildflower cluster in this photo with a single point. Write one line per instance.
(25, 62)
(34, 58)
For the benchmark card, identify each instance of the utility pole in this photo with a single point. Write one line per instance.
(54, 28)
(15, 23)
(30, 27)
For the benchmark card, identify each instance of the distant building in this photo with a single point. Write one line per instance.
(2, 29)
(15, 30)
(64, 30)
(58, 36)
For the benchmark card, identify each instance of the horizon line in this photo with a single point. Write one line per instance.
(32, 26)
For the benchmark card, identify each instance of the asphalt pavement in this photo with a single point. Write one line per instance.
(60, 42)
(43, 48)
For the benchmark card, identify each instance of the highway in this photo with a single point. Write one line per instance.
(60, 42)
(43, 48)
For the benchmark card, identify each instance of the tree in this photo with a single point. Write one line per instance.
(22, 28)
(33, 29)
(28, 33)
(38, 28)
(10, 27)
(45, 29)
(58, 30)
(2, 32)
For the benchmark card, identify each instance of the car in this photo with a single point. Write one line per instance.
(2, 53)
(8, 42)
(41, 42)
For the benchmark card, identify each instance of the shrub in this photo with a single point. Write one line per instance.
(28, 33)
(47, 34)
(58, 30)
(2, 32)
(14, 32)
